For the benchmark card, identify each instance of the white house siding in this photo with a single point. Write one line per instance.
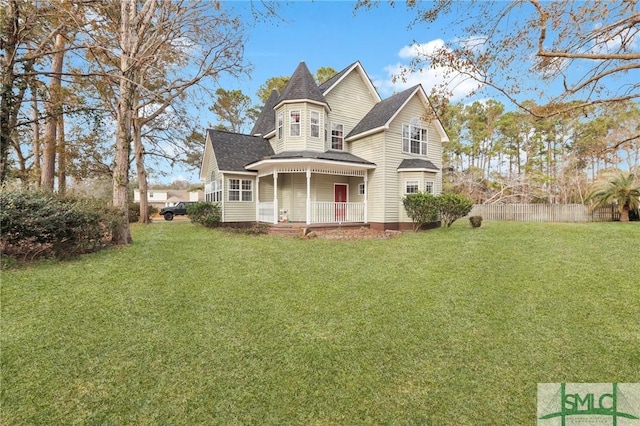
(394, 156)
(238, 211)
(373, 149)
(350, 101)
(210, 165)
(313, 143)
(266, 188)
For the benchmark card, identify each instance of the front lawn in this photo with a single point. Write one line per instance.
(196, 326)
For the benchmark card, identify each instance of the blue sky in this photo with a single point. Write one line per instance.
(326, 34)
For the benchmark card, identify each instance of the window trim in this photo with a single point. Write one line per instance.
(292, 123)
(429, 183)
(413, 183)
(240, 191)
(361, 189)
(280, 125)
(341, 137)
(408, 138)
(316, 125)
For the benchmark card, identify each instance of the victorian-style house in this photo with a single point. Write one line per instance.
(332, 153)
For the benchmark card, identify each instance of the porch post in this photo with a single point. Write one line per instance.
(275, 196)
(257, 198)
(366, 194)
(308, 195)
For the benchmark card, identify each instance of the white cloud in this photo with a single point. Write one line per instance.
(399, 78)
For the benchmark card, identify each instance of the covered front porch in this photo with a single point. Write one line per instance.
(311, 191)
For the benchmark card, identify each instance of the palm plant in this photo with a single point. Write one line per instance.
(620, 189)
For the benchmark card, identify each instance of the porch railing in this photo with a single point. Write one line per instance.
(321, 212)
(330, 212)
(265, 212)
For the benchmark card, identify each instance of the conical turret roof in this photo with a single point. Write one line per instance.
(302, 86)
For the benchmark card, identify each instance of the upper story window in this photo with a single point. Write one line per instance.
(314, 122)
(294, 123)
(279, 125)
(337, 136)
(414, 138)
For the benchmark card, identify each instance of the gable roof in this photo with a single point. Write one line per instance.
(417, 164)
(328, 85)
(234, 150)
(382, 113)
(266, 122)
(302, 86)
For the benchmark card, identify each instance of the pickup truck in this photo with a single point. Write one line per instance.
(177, 210)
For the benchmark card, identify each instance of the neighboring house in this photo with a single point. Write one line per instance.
(168, 197)
(329, 153)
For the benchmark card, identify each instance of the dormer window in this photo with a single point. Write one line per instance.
(414, 138)
(337, 136)
(314, 122)
(280, 123)
(294, 123)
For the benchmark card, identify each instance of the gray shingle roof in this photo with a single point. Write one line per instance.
(266, 122)
(381, 112)
(302, 86)
(234, 150)
(417, 163)
(324, 86)
(328, 155)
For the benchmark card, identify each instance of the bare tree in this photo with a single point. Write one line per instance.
(589, 50)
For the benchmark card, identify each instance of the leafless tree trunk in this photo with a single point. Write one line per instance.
(35, 128)
(128, 44)
(62, 157)
(54, 110)
(141, 171)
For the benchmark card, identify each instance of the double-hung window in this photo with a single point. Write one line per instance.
(414, 138)
(240, 190)
(279, 125)
(294, 123)
(217, 191)
(337, 136)
(428, 186)
(411, 187)
(314, 123)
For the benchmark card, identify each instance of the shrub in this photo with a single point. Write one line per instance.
(42, 224)
(205, 213)
(421, 207)
(452, 207)
(475, 221)
(134, 212)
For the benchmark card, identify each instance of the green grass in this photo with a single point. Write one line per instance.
(195, 326)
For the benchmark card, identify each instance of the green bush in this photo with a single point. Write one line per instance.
(475, 221)
(134, 212)
(421, 207)
(43, 224)
(205, 213)
(452, 207)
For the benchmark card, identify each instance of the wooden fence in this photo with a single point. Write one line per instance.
(545, 212)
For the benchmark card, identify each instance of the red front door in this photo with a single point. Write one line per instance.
(340, 199)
